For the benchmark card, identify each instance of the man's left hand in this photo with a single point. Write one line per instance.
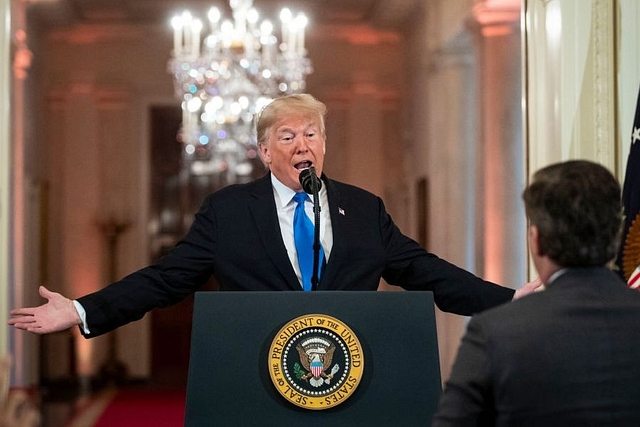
(528, 288)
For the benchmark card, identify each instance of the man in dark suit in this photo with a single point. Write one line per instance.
(567, 356)
(243, 236)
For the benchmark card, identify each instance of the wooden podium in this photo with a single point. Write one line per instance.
(230, 380)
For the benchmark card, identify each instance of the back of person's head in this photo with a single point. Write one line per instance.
(577, 209)
(299, 104)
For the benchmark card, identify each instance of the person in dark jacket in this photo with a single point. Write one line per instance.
(566, 356)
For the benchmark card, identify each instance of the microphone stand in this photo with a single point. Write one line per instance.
(316, 235)
(311, 185)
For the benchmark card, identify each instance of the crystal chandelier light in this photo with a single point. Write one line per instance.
(225, 76)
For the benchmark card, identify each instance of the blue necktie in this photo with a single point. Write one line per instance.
(303, 235)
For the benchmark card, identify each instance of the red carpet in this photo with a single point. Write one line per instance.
(144, 408)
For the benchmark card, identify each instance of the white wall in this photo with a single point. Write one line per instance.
(571, 80)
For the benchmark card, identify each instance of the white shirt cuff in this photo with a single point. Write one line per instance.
(83, 316)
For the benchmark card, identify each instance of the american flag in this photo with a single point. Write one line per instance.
(629, 256)
(634, 280)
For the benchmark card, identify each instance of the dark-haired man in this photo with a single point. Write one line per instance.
(567, 356)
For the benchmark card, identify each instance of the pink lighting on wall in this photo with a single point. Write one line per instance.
(497, 17)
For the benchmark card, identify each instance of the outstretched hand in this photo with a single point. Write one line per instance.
(56, 315)
(528, 288)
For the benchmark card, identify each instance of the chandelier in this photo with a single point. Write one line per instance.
(225, 76)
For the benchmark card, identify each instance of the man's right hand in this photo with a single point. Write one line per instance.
(57, 314)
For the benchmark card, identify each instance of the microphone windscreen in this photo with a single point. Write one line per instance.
(308, 178)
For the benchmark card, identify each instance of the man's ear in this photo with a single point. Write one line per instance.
(534, 240)
(265, 155)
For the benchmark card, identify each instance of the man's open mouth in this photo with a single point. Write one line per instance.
(303, 165)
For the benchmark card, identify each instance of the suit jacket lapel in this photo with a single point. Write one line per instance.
(263, 210)
(337, 213)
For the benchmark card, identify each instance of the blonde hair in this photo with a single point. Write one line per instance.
(299, 104)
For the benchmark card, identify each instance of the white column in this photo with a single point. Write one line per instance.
(5, 164)
(502, 173)
(121, 189)
(96, 179)
(77, 245)
(25, 202)
(452, 218)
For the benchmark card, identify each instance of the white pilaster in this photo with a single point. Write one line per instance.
(501, 161)
(5, 163)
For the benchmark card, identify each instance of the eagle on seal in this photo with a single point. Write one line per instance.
(316, 356)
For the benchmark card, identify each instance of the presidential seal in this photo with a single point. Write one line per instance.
(316, 361)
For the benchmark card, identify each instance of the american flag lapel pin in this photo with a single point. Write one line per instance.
(341, 211)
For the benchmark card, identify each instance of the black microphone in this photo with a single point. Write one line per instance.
(309, 180)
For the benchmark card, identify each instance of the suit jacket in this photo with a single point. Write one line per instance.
(567, 356)
(236, 238)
